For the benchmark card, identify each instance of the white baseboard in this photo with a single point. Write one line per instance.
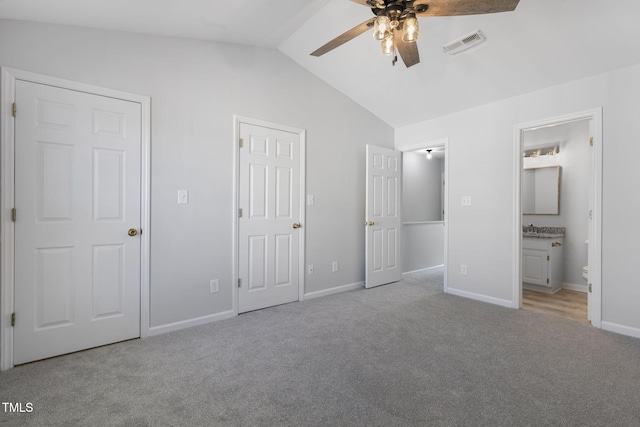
(183, 324)
(480, 297)
(621, 329)
(575, 287)
(423, 270)
(336, 290)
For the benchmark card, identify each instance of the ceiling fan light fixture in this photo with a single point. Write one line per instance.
(388, 46)
(411, 29)
(381, 27)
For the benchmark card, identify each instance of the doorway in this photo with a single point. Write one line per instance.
(558, 210)
(270, 219)
(425, 200)
(75, 177)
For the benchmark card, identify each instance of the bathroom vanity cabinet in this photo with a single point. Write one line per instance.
(542, 263)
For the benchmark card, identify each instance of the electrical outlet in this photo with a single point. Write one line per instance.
(334, 266)
(465, 201)
(463, 269)
(310, 269)
(214, 286)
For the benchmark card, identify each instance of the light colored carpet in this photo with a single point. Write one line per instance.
(404, 354)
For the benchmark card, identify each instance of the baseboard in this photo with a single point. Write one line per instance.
(480, 297)
(183, 324)
(335, 290)
(621, 329)
(423, 270)
(575, 287)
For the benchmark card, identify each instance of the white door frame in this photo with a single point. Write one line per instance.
(8, 79)
(439, 143)
(237, 121)
(595, 243)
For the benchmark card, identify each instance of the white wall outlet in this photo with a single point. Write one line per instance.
(214, 286)
(183, 197)
(310, 200)
(463, 269)
(466, 201)
(310, 269)
(334, 266)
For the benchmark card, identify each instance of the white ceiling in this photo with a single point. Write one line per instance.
(541, 43)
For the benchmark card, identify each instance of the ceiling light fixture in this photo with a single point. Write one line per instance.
(429, 156)
(395, 17)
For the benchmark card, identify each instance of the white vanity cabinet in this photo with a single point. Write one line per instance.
(542, 263)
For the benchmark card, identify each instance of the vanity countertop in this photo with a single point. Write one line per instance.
(537, 232)
(535, 235)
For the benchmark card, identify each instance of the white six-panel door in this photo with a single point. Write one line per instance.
(383, 221)
(77, 197)
(268, 229)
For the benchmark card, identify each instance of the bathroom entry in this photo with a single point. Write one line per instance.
(557, 205)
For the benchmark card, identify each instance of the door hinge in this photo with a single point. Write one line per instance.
(589, 287)
(591, 142)
(14, 214)
(15, 109)
(241, 142)
(547, 280)
(13, 319)
(240, 213)
(548, 258)
(239, 283)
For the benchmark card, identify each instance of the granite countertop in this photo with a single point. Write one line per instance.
(542, 232)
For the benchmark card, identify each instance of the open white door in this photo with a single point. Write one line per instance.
(383, 220)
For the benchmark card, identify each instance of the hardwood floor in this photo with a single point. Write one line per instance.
(564, 303)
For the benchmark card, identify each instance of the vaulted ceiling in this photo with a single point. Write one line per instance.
(542, 43)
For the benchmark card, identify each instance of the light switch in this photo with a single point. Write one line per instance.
(183, 197)
(310, 199)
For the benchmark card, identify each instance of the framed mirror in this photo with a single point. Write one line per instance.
(541, 190)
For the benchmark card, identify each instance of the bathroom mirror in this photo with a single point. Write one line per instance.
(541, 190)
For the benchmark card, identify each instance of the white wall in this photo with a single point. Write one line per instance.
(422, 246)
(575, 159)
(196, 87)
(421, 187)
(480, 165)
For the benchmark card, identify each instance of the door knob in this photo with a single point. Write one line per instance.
(133, 232)
(296, 225)
(370, 223)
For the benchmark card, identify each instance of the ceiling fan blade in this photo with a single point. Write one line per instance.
(343, 38)
(408, 50)
(465, 7)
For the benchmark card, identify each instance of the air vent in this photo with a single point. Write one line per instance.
(464, 43)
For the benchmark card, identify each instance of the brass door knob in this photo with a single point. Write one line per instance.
(297, 225)
(133, 232)
(370, 223)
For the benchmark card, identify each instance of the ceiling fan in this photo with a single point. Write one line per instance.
(396, 25)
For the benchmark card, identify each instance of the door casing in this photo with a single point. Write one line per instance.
(595, 187)
(238, 120)
(8, 77)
